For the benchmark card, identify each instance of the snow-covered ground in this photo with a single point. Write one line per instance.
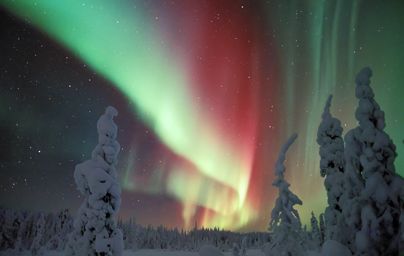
(138, 253)
(179, 253)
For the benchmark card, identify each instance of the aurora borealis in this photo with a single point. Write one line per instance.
(209, 91)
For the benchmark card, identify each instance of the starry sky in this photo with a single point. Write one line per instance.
(207, 91)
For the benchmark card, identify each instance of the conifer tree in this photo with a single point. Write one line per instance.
(285, 225)
(95, 229)
(329, 138)
(369, 157)
(21, 233)
(315, 232)
(322, 227)
(36, 246)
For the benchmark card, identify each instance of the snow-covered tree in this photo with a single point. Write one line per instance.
(373, 186)
(243, 251)
(235, 250)
(50, 228)
(36, 246)
(11, 223)
(63, 223)
(322, 227)
(95, 230)
(129, 233)
(285, 225)
(315, 235)
(329, 138)
(22, 232)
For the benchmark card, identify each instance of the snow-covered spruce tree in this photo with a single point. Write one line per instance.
(398, 185)
(50, 228)
(315, 235)
(329, 138)
(63, 224)
(36, 246)
(20, 231)
(243, 251)
(129, 232)
(322, 227)
(369, 156)
(20, 242)
(285, 225)
(9, 229)
(95, 230)
(235, 250)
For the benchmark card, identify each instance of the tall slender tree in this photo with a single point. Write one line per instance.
(39, 232)
(21, 233)
(95, 230)
(285, 225)
(315, 234)
(370, 155)
(329, 138)
(322, 227)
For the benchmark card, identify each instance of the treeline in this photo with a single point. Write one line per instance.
(138, 237)
(39, 232)
(34, 231)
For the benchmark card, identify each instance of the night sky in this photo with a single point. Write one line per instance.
(207, 91)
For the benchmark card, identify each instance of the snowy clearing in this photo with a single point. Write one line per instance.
(136, 253)
(179, 253)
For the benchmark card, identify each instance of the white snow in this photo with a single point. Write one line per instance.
(150, 252)
(209, 250)
(333, 248)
